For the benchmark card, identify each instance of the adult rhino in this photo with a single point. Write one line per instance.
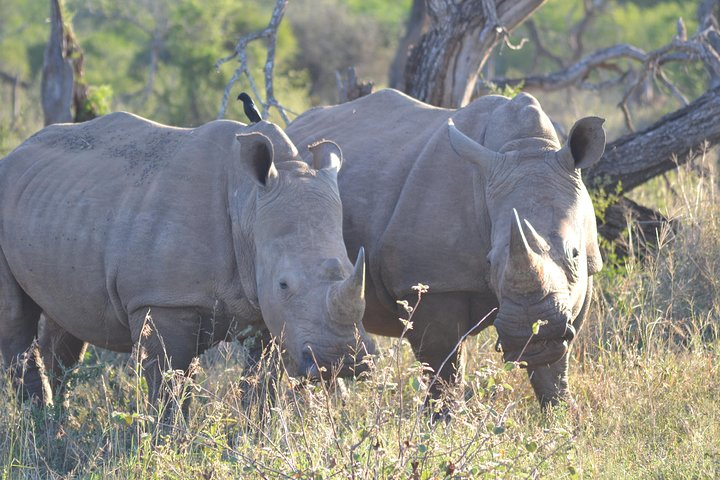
(497, 216)
(126, 232)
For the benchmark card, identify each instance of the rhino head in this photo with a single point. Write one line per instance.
(310, 294)
(543, 248)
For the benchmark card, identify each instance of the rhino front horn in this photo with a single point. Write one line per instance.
(524, 268)
(347, 299)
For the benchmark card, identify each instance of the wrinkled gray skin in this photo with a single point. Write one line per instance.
(105, 222)
(435, 203)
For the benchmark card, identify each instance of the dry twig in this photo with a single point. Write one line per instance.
(269, 33)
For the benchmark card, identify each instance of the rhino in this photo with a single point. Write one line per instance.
(125, 233)
(485, 206)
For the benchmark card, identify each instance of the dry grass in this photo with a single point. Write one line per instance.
(645, 377)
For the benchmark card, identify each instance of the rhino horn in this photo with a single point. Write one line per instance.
(471, 151)
(524, 271)
(326, 154)
(346, 299)
(536, 242)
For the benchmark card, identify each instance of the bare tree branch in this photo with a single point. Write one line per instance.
(269, 33)
(540, 49)
(633, 159)
(13, 80)
(592, 9)
(350, 88)
(700, 47)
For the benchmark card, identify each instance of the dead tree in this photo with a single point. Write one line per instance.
(633, 159)
(58, 74)
(64, 90)
(349, 87)
(443, 67)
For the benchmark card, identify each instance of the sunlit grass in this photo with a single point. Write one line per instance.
(644, 376)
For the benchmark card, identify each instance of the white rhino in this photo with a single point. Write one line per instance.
(104, 222)
(495, 217)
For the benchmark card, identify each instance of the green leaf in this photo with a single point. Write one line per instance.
(531, 447)
(508, 366)
(498, 430)
(122, 417)
(536, 327)
(415, 384)
(422, 448)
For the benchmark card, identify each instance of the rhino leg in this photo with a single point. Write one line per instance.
(550, 382)
(260, 374)
(166, 339)
(19, 317)
(438, 324)
(60, 351)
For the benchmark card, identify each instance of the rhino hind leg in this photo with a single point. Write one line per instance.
(19, 316)
(60, 352)
(439, 323)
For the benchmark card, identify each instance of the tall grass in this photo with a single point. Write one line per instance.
(644, 375)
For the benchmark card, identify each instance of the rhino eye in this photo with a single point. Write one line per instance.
(575, 253)
(283, 285)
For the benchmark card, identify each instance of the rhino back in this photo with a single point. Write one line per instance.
(102, 218)
(406, 196)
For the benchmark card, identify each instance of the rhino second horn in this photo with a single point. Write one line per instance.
(524, 270)
(326, 154)
(346, 299)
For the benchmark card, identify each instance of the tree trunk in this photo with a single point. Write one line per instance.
(443, 68)
(57, 73)
(417, 23)
(646, 224)
(64, 90)
(634, 159)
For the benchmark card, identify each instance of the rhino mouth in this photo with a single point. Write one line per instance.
(536, 352)
(315, 367)
(348, 369)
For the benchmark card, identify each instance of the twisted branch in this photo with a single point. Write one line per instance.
(699, 47)
(269, 33)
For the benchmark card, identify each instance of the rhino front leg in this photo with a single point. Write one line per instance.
(438, 324)
(60, 351)
(166, 339)
(550, 382)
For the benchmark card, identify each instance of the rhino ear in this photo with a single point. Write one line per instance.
(326, 154)
(256, 156)
(471, 151)
(283, 147)
(585, 144)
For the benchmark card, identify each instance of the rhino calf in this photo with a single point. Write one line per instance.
(105, 222)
